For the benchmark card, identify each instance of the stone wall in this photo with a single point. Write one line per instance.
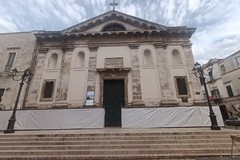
(23, 45)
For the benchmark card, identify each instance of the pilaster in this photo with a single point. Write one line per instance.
(164, 75)
(91, 80)
(194, 82)
(136, 79)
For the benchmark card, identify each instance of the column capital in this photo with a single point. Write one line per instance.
(93, 47)
(68, 48)
(43, 50)
(187, 44)
(160, 45)
(133, 46)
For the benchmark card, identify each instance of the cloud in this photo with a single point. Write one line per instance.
(217, 22)
(7, 26)
(193, 5)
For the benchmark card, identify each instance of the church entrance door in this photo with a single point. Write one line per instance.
(113, 100)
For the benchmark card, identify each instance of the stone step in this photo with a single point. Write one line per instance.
(111, 157)
(123, 146)
(118, 151)
(113, 137)
(116, 144)
(35, 134)
(105, 142)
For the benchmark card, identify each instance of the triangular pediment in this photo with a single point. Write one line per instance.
(131, 23)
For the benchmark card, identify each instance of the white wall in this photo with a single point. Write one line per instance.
(113, 52)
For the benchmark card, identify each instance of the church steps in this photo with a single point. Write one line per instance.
(123, 146)
(35, 134)
(114, 157)
(188, 151)
(116, 146)
(110, 138)
(170, 141)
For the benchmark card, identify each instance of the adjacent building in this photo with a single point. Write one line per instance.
(16, 51)
(223, 81)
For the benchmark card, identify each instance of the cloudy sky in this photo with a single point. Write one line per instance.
(217, 21)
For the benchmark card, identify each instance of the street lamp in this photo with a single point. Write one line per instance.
(198, 71)
(17, 76)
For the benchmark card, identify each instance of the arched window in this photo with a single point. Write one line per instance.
(148, 57)
(80, 60)
(113, 27)
(53, 61)
(176, 57)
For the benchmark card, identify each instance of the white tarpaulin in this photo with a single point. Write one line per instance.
(169, 117)
(94, 118)
(55, 119)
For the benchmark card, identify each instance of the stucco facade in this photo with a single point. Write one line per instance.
(224, 82)
(21, 45)
(152, 60)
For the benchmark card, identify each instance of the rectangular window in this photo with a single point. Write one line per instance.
(1, 93)
(238, 60)
(223, 70)
(48, 89)
(181, 86)
(10, 61)
(229, 90)
(210, 76)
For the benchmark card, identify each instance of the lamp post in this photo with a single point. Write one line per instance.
(25, 77)
(198, 71)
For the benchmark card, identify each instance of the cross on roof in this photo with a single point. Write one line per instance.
(113, 4)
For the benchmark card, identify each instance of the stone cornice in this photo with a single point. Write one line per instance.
(185, 32)
(125, 69)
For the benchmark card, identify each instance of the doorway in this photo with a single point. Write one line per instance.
(113, 101)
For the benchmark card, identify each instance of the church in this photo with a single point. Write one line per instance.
(114, 70)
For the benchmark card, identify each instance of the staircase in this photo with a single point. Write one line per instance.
(117, 144)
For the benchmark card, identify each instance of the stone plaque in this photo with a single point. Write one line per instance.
(113, 62)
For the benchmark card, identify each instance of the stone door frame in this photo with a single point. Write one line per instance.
(114, 74)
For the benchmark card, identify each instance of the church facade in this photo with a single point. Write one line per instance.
(151, 63)
(111, 61)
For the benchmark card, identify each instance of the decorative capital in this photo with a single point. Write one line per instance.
(93, 47)
(68, 48)
(186, 44)
(160, 45)
(43, 50)
(133, 46)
